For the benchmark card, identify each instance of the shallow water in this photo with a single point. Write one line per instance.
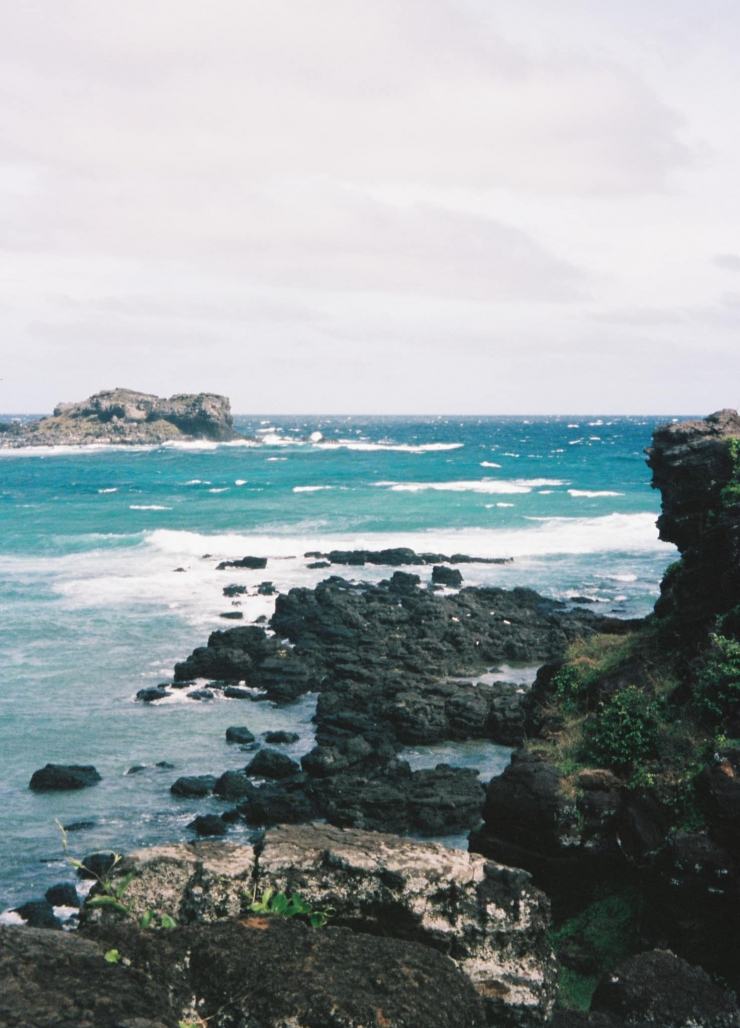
(92, 608)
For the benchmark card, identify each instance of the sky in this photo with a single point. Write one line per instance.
(372, 206)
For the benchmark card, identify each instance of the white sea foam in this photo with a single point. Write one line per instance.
(197, 481)
(113, 490)
(504, 504)
(277, 458)
(621, 578)
(489, 464)
(310, 488)
(363, 447)
(223, 489)
(147, 506)
(240, 481)
(593, 492)
(484, 485)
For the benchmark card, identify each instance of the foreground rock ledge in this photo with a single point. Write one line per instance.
(259, 973)
(488, 918)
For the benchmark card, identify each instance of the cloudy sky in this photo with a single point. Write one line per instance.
(391, 206)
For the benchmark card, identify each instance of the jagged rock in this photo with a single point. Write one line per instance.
(234, 590)
(488, 918)
(660, 989)
(152, 694)
(281, 738)
(692, 464)
(125, 416)
(64, 777)
(251, 563)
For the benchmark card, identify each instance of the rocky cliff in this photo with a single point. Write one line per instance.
(696, 466)
(123, 416)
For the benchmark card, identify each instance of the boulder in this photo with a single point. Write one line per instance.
(250, 563)
(193, 785)
(152, 693)
(208, 824)
(446, 576)
(62, 895)
(269, 763)
(39, 914)
(233, 785)
(96, 864)
(64, 776)
(281, 738)
(489, 919)
(240, 734)
(660, 989)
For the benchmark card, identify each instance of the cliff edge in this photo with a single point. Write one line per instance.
(123, 416)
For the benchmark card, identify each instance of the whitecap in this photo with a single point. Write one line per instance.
(147, 506)
(504, 504)
(222, 489)
(310, 488)
(113, 490)
(489, 464)
(240, 481)
(362, 447)
(593, 492)
(484, 485)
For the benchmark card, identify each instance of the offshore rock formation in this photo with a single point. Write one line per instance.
(122, 416)
(696, 465)
(489, 919)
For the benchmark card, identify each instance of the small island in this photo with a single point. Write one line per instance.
(125, 417)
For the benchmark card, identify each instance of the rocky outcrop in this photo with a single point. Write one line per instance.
(258, 973)
(488, 918)
(695, 465)
(122, 416)
(55, 777)
(398, 556)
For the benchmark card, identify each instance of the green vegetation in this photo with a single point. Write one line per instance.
(113, 890)
(731, 492)
(717, 691)
(625, 730)
(279, 904)
(605, 932)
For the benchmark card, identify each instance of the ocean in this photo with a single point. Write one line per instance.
(93, 606)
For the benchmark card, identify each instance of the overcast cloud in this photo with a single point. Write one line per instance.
(372, 205)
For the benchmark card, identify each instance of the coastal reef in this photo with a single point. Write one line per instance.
(122, 416)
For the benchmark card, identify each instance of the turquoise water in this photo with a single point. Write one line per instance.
(92, 608)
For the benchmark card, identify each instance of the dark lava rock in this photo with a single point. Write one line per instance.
(79, 826)
(446, 576)
(64, 776)
(201, 694)
(39, 914)
(660, 989)
(234, 590)
(62, 895)
(239, 733)
(232, 615)
(193, 785)
(278, 738)
(252, 563)
(136, 769)
(208, 824)
(261, 964)
(151, 694)
(266, 589)
(97, 864)
(62, 980)
(316, 564)
(271, 764)
(233, 785)
(233, 692)
(164, 764)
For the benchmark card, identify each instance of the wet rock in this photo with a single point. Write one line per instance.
(164, 764)
(79, 826)
(208, 824)
(201, 694)
(233, 785)
(239, 733)
(193, 785)
(64, 777)
(232, 615)
(39, 914)
(152, 694)
(269, 763)
(266, 589)
(281, 738)
(97, 864)
(136, 769)
(62, 895)
(233, 692)
(234, 590)
(316, 564)
(446, 576)
(660, 989)
(252, 563)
